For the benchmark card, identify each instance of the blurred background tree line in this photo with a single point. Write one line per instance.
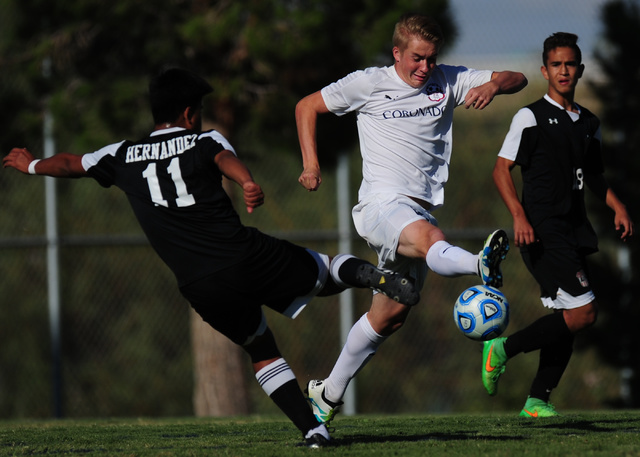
(127, 335)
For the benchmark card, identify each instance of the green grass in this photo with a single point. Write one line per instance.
(574, 434)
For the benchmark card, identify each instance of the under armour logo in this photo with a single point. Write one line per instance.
(553, 121)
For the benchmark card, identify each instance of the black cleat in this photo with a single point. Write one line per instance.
(316, 441)
(393, 285)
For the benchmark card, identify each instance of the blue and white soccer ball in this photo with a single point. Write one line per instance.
(481, 313)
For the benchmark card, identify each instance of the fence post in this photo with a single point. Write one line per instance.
(344, 246)
(53, 263)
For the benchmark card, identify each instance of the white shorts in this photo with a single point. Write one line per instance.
(564, 300)
(379, 219)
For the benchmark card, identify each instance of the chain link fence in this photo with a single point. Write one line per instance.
(125, 344)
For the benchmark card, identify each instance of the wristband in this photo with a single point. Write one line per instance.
(32, 166)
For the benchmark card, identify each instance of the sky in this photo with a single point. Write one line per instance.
(491, 31)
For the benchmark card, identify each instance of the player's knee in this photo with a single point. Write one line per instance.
(417, 238)
(582, 318)
(591, 315)
(262, 347)
(391, 320)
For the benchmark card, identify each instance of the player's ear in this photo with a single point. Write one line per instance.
(397, 54)
(545, 73)
(190, 115)
(580, 70)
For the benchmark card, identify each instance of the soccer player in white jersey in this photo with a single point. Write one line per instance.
(227, 271)
(556, 144)
(404, 117)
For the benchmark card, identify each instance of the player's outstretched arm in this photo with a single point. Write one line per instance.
(502, 82)
(234, 169)
(307, 111)
(63, 165)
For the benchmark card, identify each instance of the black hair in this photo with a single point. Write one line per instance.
(173, 90)
(561, 40)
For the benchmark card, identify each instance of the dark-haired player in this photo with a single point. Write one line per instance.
(173, 180)
(556, 143)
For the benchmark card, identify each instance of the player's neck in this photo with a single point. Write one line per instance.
(564, 100)
(168, 125)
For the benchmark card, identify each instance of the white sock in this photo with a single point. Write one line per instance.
(449, 260)
(321, 429)
(274, 375)
(362, 343)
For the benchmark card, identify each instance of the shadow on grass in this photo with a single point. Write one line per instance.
(399, 437)
(587, 426)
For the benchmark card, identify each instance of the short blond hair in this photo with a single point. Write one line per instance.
(417, 25)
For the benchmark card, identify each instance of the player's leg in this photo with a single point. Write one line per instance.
(423, 239)
(552, 364)
(279, 382)
(347, 271)
(225, 303)
(565, 288)
(362, 343)
(545, 331)
(380, 224)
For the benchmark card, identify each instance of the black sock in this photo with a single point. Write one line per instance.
(289, 398)
(553, 362)
(546, 331)
(348, 269)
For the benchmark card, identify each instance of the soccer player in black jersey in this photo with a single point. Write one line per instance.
(227, 271)
(556, 143)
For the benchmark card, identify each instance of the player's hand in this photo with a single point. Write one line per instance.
(253, 195)
(480, 97)
(523, 233)
(310, 179)
(18, 158)
(623, 224)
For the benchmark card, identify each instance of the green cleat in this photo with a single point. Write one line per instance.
(535, 408)
(493, 364)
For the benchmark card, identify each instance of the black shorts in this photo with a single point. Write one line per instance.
(231, 300)
(557, 268)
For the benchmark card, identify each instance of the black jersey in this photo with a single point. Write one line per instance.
(175, 190)
(554, 157)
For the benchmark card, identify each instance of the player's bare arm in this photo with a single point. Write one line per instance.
(523, 232)
(63, 165)
(234, 169)
(307, 111)
(621, 219)
(502, 82)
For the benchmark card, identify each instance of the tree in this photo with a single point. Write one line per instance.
(620, 97)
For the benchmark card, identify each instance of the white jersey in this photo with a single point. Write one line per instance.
(405, 133)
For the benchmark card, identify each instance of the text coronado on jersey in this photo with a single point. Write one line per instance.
(395, 114)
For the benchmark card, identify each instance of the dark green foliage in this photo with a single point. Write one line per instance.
(619, 95)
(92, 60)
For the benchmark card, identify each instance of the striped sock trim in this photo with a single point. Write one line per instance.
(274, 375)
(334, 269)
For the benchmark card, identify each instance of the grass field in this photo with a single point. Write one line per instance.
(574, 434)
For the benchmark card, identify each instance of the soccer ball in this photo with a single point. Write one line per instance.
(481, 313)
